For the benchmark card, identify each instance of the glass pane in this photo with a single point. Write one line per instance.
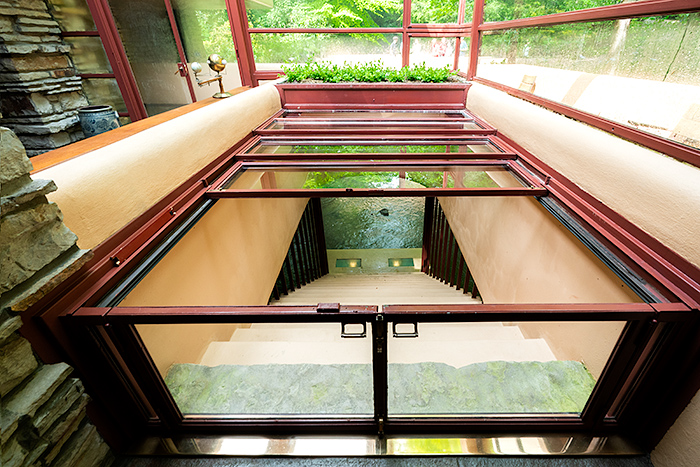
(272, 50)
(148, 39)
(415, 124)
(328, 14)
(370, 177)
(464, 51)
(436, 52)
(205, 29)
(263, 369)
(269, 147)
(375, 115)
(88, 55)
(503, 10)
(454, 369)
(640, 72)
(104, 91)
(435, 11)
(72, 15)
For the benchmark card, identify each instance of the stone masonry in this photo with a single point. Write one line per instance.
(39, 90)
(43, 419)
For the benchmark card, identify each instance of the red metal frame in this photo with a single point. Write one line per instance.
(384, 96)
(238, 19)
(114, 259)
(104, 21)
(632, 346)
(611, 12)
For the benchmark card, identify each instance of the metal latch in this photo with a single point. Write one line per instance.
(182, 69)
(328, 308)
(353, 330)
(400, 332)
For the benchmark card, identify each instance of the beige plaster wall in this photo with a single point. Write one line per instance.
(657, 193)
(232, 256)
(518, 253)
(680, 447)
(103, 190)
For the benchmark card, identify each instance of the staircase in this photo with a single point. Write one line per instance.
(376, 289)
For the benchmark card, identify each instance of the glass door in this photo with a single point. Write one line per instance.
(151, 46)
(205, 29)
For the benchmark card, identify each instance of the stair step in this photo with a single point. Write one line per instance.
(455, 353)
(376, 289)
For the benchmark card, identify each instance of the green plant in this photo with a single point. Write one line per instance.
(370, 72)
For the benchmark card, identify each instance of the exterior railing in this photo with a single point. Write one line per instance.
(442, 256)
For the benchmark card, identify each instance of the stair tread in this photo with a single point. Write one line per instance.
(376, 289)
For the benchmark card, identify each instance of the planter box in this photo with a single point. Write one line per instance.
(420, 96)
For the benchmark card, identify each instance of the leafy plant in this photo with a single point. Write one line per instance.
(370, 72)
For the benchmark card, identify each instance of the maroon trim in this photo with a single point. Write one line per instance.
(657, 143)
(224, 314)
(519, 312)
(324, 30)
(180, 47)
(104, 21)
(376, 192)
(425, 96)
(267, 74)
(377, 130)
(475, 38)
(238, 20)
(611, 12)
(411, 156)
(405, 38)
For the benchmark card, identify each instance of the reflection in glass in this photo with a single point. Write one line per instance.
(463, 58)
(436, 52)
(309, 124)
(640, 72)
(205, 29)
(521, 368)
(514, 9)
(154, 62)
(327, 14)
(436, 11)
(72, 15)
(104, 91)
(473, 146)
(373, 178)
(276, 49)
(88, 55)
(259, 369)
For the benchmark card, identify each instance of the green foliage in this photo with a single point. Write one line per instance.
(328, 14)
(215, 30)
(370, 72)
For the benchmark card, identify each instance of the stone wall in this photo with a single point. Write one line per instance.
(42, 409)
(39, 90)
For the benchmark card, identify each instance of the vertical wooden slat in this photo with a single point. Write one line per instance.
(290, 270)
(321, 245)
(461, 271)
